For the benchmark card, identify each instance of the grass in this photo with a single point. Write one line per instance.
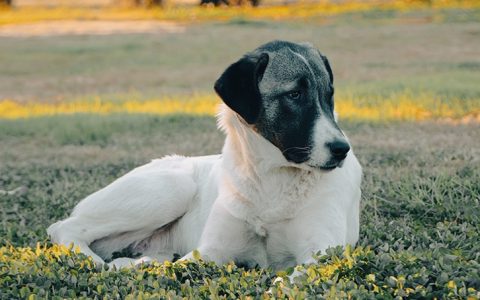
(421, 186)
(341, 274)
(368, 59)
(419, 220)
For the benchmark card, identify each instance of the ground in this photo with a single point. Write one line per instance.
(421, 185)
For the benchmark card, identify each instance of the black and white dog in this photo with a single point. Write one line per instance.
(285, 186)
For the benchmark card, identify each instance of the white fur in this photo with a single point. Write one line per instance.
(248, 204)
(323, 133)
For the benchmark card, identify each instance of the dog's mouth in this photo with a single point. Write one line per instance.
(329, 166)
(301, 158)
(296, 157)
(324, 168)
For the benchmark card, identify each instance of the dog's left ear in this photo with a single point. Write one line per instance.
(327, 66)
(330, 77)
(238, 86)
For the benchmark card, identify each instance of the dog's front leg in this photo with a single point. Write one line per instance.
(227, 238)
(299, 270)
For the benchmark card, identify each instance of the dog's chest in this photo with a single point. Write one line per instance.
(282, 194)
(278, 198)
(274, 249)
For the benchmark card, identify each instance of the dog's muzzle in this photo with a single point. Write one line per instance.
(338, 149)
(338, 152)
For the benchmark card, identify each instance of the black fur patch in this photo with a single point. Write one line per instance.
(238, 86)
(291, 129)
(291, 126)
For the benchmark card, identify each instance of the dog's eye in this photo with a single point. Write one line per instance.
(294, 95)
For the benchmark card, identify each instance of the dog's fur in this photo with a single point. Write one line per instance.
(285, 186)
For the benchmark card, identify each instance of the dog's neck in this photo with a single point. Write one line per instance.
(266, 186)
(250, 152)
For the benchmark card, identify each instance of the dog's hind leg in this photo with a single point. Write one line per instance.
(137, 203)
(59, 235)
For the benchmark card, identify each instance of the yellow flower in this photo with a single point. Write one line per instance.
(396, 107)
(451, 285)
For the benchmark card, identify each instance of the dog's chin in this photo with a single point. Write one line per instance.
(327, 167)
(296, 159)
(304, 162)
(313, 167)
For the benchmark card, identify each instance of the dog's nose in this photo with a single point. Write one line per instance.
(339, 149)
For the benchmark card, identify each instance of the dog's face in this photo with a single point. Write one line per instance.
(285, 92)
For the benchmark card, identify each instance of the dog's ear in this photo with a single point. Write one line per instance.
(327, 66)
(238, 86)
(332, 88)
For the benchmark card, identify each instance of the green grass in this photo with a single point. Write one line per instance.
(421, 187)
(366, 55)
(420, 209)
(462, 85)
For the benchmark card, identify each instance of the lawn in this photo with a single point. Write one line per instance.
(421, 186)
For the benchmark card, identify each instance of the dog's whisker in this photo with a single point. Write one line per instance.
(298, 150)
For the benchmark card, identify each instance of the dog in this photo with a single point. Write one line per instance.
(285, 187)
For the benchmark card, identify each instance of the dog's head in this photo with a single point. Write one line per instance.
(285, 92)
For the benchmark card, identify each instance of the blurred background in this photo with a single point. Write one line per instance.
(417, 59)
(91, 89)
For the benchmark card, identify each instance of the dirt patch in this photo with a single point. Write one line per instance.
(74, 27)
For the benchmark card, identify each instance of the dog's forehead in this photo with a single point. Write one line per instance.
(288, 62)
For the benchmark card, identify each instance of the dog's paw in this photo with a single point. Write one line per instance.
(143, 260)
(121, 262)
(278, 281)
(126, 262)
(295, 274)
